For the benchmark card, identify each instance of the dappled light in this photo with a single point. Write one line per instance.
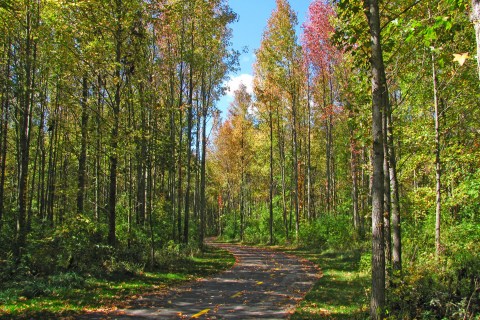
(263, 284)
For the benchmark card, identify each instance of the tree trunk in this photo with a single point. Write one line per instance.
(386, 197)
(25, 122)
(52, 160)
(203, 178)
(295, 168)
(82, 159)
(98, 144)
(112, 200)
(281, 149)
(397, 236)
(438, 168)
(377, 303)
(475, 17)
(310, 212)
(5, 104)
(353, 171)
(186, 221)
(271, 180)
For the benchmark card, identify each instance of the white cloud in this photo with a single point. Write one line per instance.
(234, 83)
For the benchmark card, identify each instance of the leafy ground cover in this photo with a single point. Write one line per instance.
(68, 294)
(341, 292)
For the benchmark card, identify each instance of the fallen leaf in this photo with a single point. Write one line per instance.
(460, 58)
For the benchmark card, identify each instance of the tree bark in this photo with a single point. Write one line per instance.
(377, 303)
(310, 212)
(438, 167)
(295, 167)
(203, 178)
(5, 104)
(281, 150)
(475, 17)
(25, 122)
(82, 159)
(396, 227)
(271, 180)
(387, 196)
(112, 200)
(186, 221)
(353, 170)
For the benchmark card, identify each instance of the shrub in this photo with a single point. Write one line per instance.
(328, 231)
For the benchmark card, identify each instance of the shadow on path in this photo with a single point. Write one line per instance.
(262, 284)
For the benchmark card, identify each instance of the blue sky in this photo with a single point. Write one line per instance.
(247, 32)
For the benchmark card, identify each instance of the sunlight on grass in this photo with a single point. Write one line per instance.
(341, 291)
(109, 292)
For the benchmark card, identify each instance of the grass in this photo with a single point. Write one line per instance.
(107, 293)
(340, 293)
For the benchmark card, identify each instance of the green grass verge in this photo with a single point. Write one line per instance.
(105, 293)
(340, 293)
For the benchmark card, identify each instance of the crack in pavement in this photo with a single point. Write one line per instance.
(262, 284)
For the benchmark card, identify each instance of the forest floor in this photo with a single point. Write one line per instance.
(268, 283)
(263, 284)
(38, 298)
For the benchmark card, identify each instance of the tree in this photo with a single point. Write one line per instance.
(475, 17)
(279, 72)
(321, 57)
(379, 99)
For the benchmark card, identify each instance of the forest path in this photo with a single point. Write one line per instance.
(263, 284)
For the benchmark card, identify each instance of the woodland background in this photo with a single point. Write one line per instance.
(114, 157)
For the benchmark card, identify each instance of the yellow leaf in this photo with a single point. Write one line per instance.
(201, 313)
(460, 58)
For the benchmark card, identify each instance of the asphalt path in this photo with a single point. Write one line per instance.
(263, 284)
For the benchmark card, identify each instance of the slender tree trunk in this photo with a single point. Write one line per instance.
(112, 200)
(186, 222)
(331, 150)
(438, 167)
(396, 227)
(242, 182)
(82, 159)
(295, 169)
(196, 195)
(41, 146)
(310, 212)
(4, 132)
(172, 171)
(271, 181)
(281, 149)
(98, 143)
(34, 169)
(52, 159)
(149, 208)
(203, 178)
(377, 303)
(353, 171)
(180, 173)
(475, 17)
(386, 197)
(24, 137)
(140, 207)
(327, 153)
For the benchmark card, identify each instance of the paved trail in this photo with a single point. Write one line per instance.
(262, 284)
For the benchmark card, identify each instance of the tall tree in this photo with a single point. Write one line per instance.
(379, 97)
(279, 65)
(475, 17)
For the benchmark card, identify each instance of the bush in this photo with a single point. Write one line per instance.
(328, 231)
(174, 254)
(447, 287)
